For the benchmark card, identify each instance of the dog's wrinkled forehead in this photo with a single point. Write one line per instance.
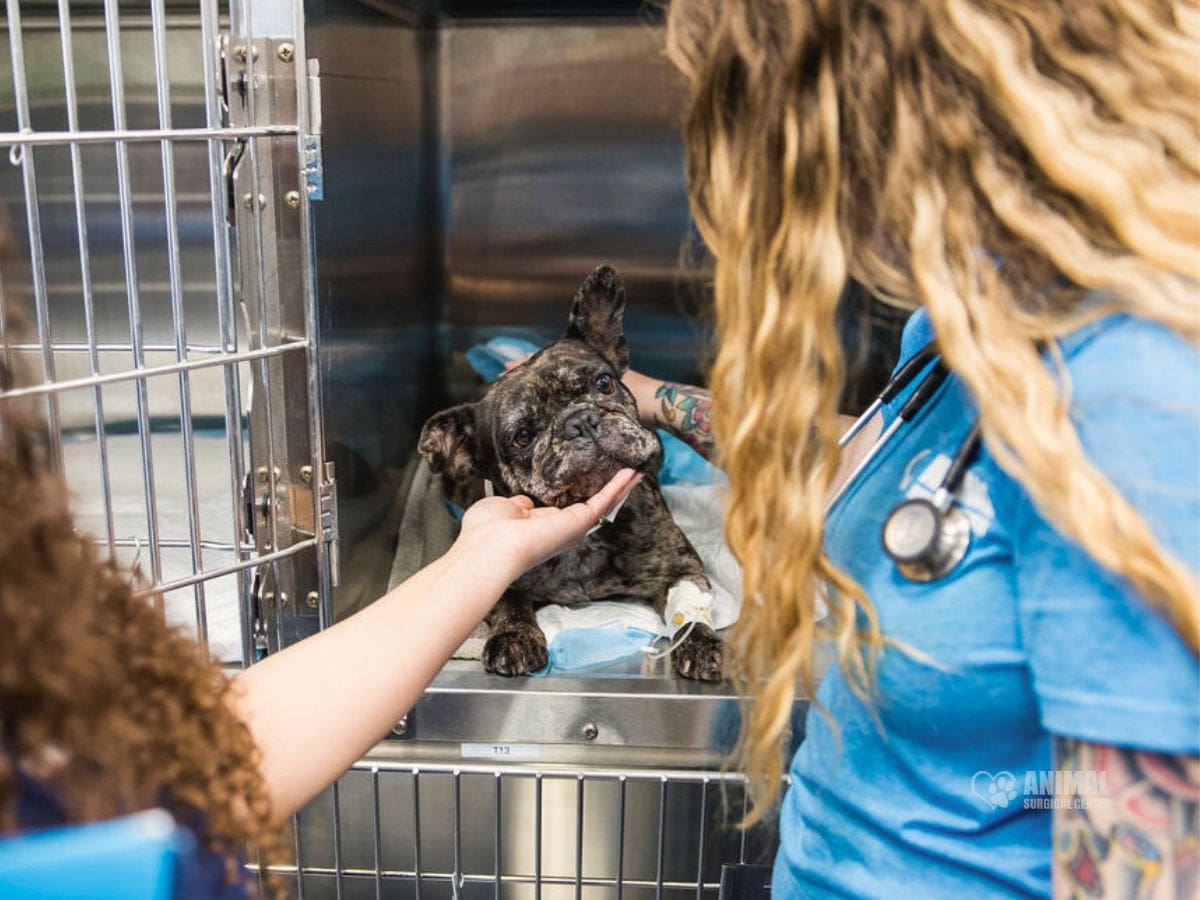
(544, 383)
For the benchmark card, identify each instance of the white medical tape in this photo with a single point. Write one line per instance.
(688, 602)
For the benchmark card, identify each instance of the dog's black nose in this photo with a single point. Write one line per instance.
(584, 423)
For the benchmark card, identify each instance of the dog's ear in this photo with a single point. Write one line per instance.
(597, 315)
(448, 442)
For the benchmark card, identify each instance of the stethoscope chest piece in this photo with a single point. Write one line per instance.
(926, 539)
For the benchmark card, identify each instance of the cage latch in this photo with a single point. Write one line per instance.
(228, 170)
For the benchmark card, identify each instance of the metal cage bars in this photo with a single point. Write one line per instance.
(717, 816)
(25, 145)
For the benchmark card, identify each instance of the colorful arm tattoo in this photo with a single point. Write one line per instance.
(687, 411)
(1139, 836)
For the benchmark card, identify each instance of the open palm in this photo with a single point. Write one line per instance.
(536, 533)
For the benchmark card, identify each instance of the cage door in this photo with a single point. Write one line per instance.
(272, 175)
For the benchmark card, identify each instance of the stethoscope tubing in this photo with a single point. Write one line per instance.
(925, 390)
(898, 382)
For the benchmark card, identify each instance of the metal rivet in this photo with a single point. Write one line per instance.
(306, 474)
(286, 52)
(401, 728)
(239, 53)
(293, 199)
(311, 599)
(590, 731)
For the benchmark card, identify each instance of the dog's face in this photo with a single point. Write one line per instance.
(558, 427)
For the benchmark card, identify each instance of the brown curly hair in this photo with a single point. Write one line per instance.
(100, 701)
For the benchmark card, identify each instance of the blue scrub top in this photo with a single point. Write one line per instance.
(929, 794)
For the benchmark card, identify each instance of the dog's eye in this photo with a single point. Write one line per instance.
(604, 383)
(523, 438)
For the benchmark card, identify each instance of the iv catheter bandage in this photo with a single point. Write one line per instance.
(688, 602)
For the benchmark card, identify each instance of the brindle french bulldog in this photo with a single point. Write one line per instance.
(556, 429)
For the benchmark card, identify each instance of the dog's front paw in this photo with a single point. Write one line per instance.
(515, 651)
(701, 655)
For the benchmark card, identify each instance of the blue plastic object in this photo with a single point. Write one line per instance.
(131, 858)
(488, 359)
(578, 648)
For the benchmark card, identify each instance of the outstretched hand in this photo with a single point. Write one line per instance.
(528, 535)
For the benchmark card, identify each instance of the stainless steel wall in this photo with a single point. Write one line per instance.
(562, 151)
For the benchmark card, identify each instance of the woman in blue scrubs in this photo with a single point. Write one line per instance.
(1018, 715)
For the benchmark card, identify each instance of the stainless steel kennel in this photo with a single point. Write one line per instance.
(251, 242)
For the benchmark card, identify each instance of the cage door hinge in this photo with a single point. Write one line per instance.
(312, 164)
(328, 526)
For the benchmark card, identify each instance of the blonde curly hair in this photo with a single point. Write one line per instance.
(908, 144)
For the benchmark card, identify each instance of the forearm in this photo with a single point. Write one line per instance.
(686, 411)
(682, 409)
(1135, 835)
(317, 706)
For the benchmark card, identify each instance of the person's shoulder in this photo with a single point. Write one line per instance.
(1097, 649)
(1135, 402)
(1126, 356)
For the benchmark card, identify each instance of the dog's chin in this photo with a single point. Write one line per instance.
(585, 484)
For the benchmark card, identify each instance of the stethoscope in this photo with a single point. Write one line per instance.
(926, 538)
